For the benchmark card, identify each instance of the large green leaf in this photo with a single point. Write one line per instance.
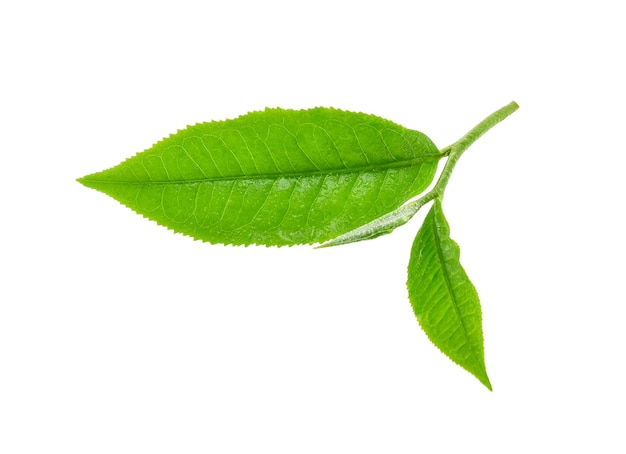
(275, 177)
(444, 300)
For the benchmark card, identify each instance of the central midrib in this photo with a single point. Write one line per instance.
(450, 288)
(273, 176)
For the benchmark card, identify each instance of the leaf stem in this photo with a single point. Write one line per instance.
(458, 148)
(454, 152)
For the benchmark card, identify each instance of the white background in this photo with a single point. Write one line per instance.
(117, 336)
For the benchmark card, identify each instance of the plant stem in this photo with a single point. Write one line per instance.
(458, 148)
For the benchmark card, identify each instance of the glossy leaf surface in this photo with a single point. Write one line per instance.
(275, 177)
(444, 300)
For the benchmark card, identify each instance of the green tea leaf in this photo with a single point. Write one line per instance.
(444, 300)
(276, 177)
(285, 177)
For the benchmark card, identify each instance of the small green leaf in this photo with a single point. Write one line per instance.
(276, 177)
(444, 300)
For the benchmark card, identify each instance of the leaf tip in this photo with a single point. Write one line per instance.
(83, 180)
(86, 181)
(484, 379)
